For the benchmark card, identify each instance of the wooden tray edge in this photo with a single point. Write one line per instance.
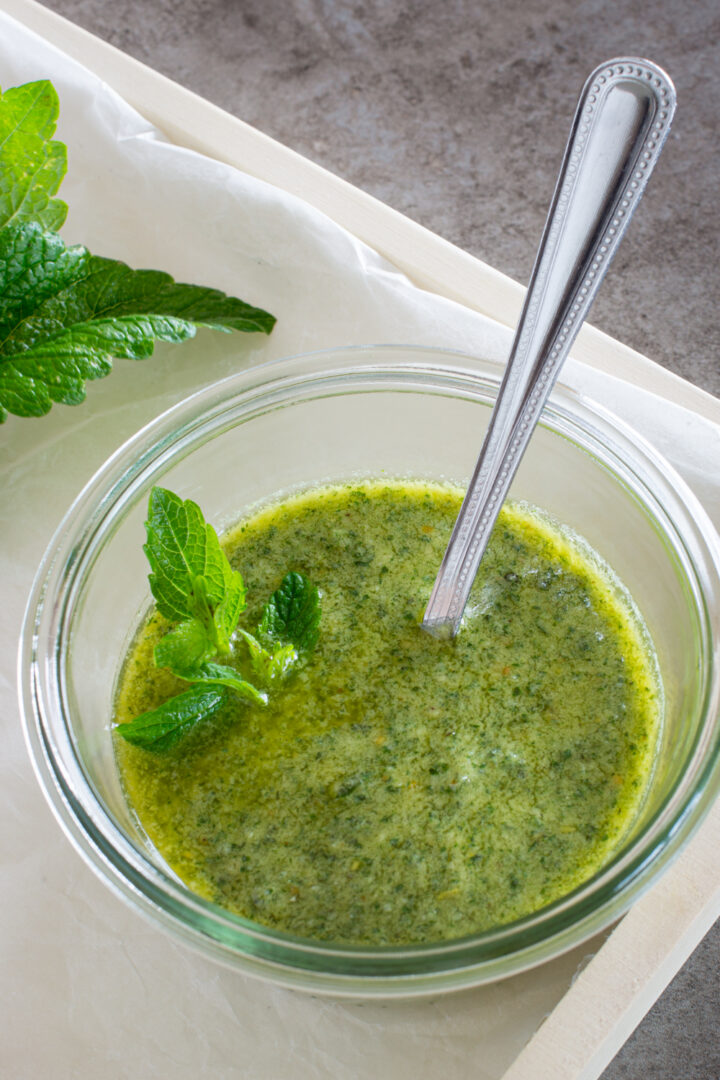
(646, 949)
(429, 261)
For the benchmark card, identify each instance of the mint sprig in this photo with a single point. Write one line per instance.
(161, 728)
(66, 314)
(195, 587)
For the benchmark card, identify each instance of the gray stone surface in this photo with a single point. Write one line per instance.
(455, 112)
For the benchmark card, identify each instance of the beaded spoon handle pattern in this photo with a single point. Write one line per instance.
(621, 122)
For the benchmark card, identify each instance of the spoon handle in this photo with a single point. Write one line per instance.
(621, 122)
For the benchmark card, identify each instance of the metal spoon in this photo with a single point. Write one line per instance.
(621, 122)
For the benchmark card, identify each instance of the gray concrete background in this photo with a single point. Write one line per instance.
(456, 113)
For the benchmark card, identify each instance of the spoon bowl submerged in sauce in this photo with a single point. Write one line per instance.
(621, 122)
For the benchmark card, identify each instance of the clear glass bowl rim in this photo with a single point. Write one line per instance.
(287, 960)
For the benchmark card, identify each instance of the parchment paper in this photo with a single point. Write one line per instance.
(87, 988)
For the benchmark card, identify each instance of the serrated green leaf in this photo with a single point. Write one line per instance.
(32, 164)
(230, 608)
(292, 614)
(219, 674)
(161, 728)
(65, 314)
(271, 665)
(191, 577)
(184, 647)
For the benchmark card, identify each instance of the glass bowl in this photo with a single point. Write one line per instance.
(334, 416)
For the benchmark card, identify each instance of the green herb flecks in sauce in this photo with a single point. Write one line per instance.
(403, 789)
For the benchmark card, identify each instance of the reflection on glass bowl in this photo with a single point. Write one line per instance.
(333, 416)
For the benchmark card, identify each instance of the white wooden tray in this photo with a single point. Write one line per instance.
(596, 1014)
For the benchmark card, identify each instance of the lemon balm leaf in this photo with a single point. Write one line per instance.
(66, 314)
(32, 163)
(160, 729)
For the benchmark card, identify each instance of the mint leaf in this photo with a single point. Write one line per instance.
(230, 608)
(292, 614)
(191, 577)
(64, 314)
(32, 164)
(271, 665)
(161, 728)
(184, 647)
(221, 675)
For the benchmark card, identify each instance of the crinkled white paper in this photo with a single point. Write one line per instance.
(89, 990)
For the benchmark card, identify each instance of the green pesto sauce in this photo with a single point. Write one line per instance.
(398, 788)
